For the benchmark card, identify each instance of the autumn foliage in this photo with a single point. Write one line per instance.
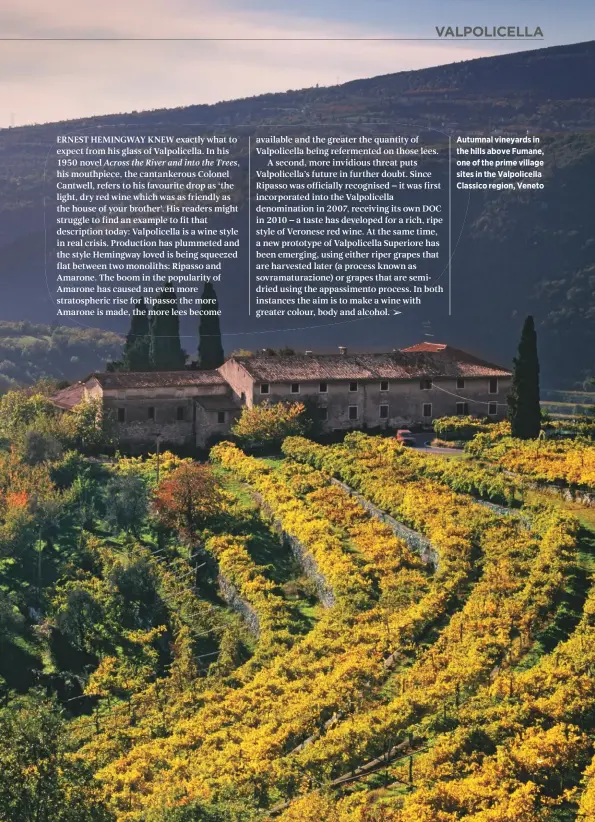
(271, 422)
(187, 499)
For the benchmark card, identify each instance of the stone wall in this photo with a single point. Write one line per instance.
(310, 568)
(301, 553)
(239, 380)
(172, 414)
(142, 436)
(208, 428)
(241, 606)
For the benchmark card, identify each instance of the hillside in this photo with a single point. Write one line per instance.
(357, 632)
(517, 253)
(30, 351)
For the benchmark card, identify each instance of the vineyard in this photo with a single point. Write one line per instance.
(345, 633)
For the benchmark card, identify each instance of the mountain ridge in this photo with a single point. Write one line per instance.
(549, 91)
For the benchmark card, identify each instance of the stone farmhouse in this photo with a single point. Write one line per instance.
(348, 391)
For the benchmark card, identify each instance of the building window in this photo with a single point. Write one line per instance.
(462, 409)
(180, 413)
(494, 385)
(323, 414)
(323, 388)
(384, 385)
(220, 417)
(295, 388)
(353, 412)
(384, 412)
(264, 388)
(151, 412)
(427, 410)
(460, 382)
(121, 415)
(425, 385)
(353, 386)
(492, 409)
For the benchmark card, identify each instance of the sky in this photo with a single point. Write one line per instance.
(74, 58)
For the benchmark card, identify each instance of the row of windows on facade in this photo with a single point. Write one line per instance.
(425, 385)
(462, 410)
(180, 414)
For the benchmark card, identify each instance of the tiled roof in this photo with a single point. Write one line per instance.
(68, 397)
(400, 365)
(447, 355)
(156, 379)
(426, 346)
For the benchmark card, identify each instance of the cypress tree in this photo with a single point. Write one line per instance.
(523, 402)
(165, 350)
(136, 347)
(210, 349)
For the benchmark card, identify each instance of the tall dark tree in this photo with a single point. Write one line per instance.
(165, 350)
(210, 349)
(524, 409)
(136, 347)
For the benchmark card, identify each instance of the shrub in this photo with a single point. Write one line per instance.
(269, 423)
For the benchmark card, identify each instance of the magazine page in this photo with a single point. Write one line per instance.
(297, 411)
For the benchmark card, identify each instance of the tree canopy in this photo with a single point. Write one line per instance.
(165, 349)
(271, 422)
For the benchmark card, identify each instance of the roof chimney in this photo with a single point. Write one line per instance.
(342, 350)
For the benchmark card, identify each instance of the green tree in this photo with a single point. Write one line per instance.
(126, 498)
(35, 445)
(19, 410)
(91, 430)
(79, 613)
(210, 349)
(165, 350)
(138, 339)
(11, 619)
(523, 402)
(39, 779)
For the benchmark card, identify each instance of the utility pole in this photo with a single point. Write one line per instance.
(39, 550)
(158, 443)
